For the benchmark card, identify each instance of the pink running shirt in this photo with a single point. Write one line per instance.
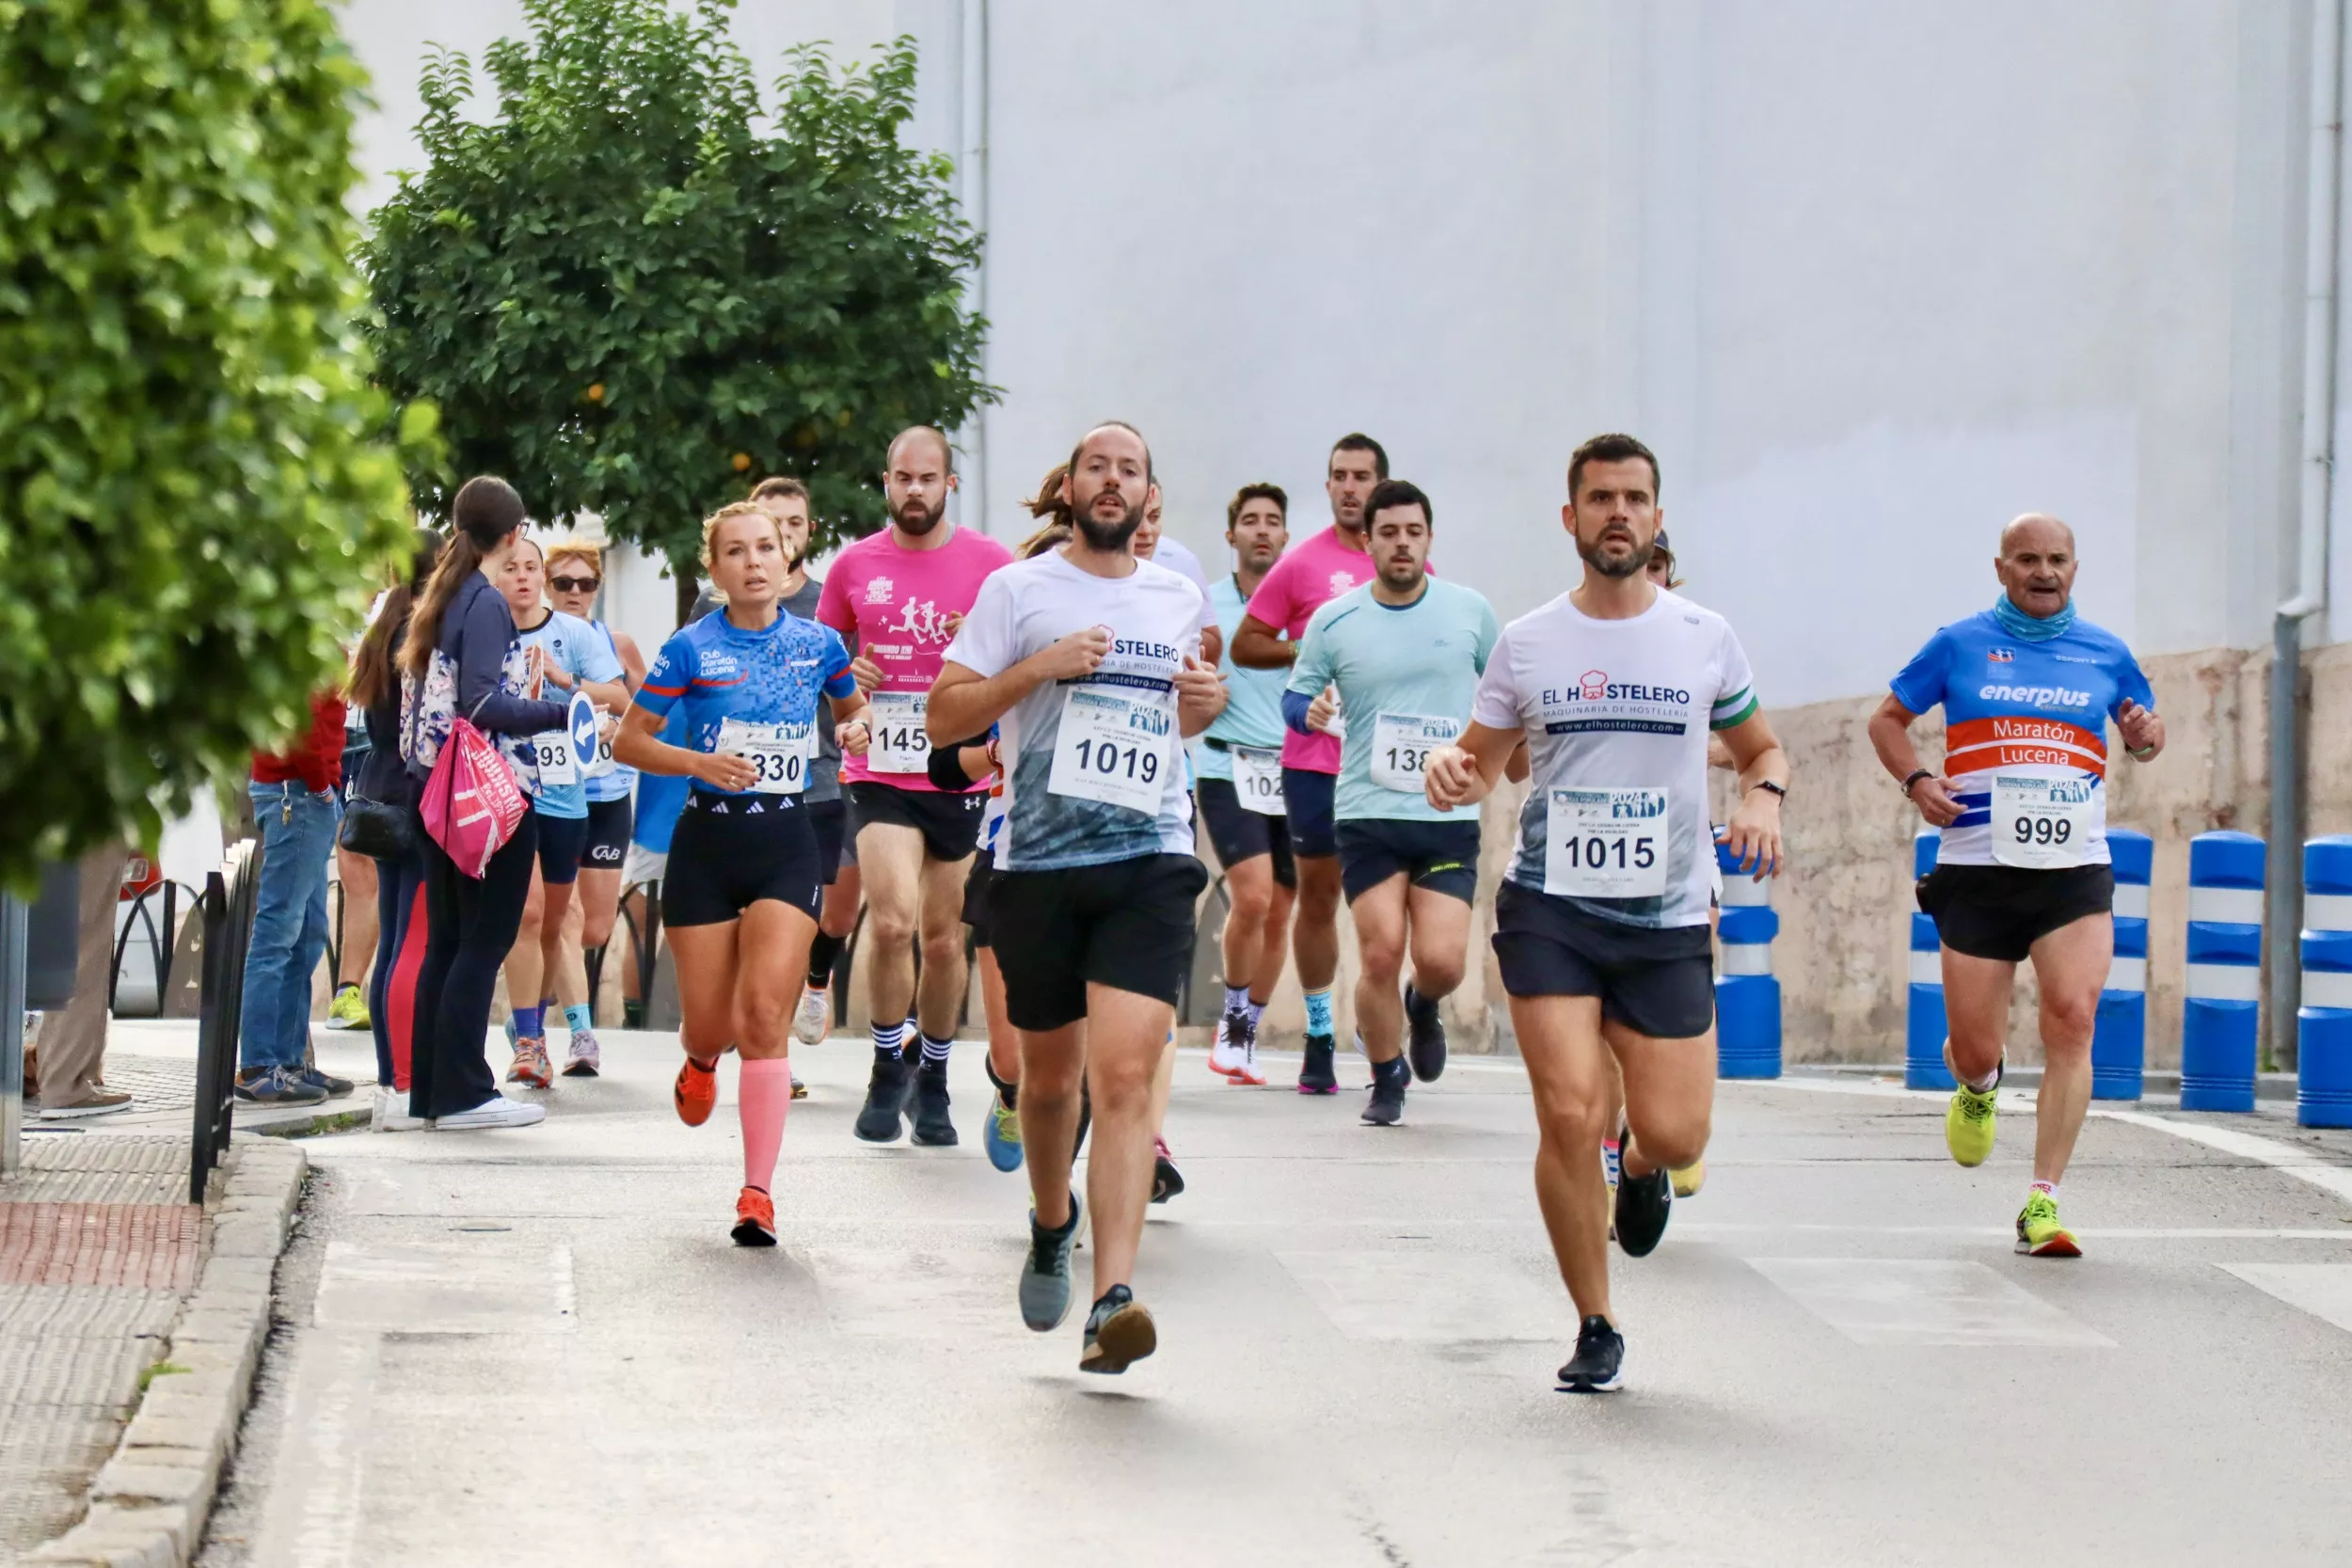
(894, 606)
(1309, 576)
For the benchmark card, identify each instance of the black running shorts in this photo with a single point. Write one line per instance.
(728, 853)
(1655, 982)
(1127, 925)
(950, 824)
(1237, 833)
(562, 844)
(608, 834)
(1999, 911)
(978, 889)
(829, 820)
(1441, 856)
(1307, 803)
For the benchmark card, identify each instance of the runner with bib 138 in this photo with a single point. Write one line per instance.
(1600, 926)
(2022, 872)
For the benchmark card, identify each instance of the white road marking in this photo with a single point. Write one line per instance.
(1908, 1301)
(2323, 1289)
(489, 1284)
(1429, 1297)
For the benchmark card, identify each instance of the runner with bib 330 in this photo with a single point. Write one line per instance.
(1602, 929)
(1403, 654)
(2022, 872)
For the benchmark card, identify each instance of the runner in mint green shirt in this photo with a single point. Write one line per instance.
(1404, 654)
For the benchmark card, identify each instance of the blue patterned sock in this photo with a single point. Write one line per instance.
(530, 1024)
(578, 1019)
(1319, 1012)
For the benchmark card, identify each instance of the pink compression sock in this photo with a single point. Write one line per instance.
(764, 1096)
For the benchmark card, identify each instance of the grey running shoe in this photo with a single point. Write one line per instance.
(1045, 1272)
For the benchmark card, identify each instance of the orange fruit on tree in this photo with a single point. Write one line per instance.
(596, 394)
(743, 462)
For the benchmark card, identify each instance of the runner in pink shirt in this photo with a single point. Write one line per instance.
(898, 597)
(1308, 576)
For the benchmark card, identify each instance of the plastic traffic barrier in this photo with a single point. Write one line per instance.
(2221, 1018)
(1747, 997)
(2322, 1058)
(1923, 1025)
(2118, 1042)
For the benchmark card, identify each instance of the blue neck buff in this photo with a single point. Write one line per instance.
(2028, 628)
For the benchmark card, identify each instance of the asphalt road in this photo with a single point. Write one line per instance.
(539, 1347)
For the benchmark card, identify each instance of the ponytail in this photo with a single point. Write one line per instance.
(485, 512)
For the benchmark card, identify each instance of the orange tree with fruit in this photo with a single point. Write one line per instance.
(641, 281)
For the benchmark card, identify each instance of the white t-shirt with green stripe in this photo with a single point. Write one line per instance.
(1622, 707)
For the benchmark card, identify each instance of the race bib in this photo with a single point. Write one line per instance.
(603, 763)
(780, 752)
(2041, 824)
(1606, 844)
(898, 743)
(1258, 780)
(1401, 744)
(551, 753)
(1113, 747)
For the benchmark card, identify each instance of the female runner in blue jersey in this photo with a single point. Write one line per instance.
(743, 886)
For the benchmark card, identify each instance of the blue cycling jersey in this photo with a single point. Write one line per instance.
(715, 671)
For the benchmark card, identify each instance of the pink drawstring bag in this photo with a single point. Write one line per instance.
(471, 801)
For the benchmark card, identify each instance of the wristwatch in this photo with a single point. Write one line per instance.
(1917, 774)
(1779, 790)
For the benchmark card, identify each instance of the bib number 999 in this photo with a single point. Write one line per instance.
(2045, 831)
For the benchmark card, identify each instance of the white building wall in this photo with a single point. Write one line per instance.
(1873, 274)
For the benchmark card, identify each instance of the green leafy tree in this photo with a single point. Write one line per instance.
(628, 297)
(194, 502)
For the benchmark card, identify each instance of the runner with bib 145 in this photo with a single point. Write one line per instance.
(1600, 926)
(2022, 872)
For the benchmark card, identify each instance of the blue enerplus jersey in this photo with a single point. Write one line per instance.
(716, 670)
(2019, 709)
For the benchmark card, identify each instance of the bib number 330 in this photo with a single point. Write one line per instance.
(780, 752)
(1606, 844)
(1113, 749)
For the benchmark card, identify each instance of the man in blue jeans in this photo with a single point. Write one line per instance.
(296, 807)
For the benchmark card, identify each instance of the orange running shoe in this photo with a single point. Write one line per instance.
(695, 1092)
(754, 1219)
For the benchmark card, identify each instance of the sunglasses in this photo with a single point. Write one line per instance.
(575, 585)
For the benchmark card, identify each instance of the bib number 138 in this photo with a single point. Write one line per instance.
(1606, 843)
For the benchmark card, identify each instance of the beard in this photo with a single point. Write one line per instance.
(1631, 565)
(1109, 537)
(916, 518)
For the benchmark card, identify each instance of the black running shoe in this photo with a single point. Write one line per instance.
(1120, 1332)
(1642, 1204)
(1599, 1364)
(932, 1130)
(885, 1099)
(1386, 1107)
(1426, 1047)
(1166, 1180)
(1316, 1075)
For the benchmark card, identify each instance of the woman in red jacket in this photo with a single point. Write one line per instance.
(295, 806)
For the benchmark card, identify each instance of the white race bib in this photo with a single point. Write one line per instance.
(898, 743)
(1258, 780)
(603, 763)
(1606, 844)
(551, 751)
(1113, 747)
(780, 752)
(1401, 744)
(2041, 824)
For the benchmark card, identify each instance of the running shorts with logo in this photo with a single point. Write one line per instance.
(2025, 750)
(1608, 895)
(1405, 675)
(1237, 833)
(754, 694)
(950, 824)
(608, 834)
(1099, 874)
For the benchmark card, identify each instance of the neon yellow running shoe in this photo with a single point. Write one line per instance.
(1968, 1125)
(349, 1010)
(2039, 1234)
(1690, 1178)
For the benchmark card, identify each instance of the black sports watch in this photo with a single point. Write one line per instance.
(1917, 774)
(1766, 784)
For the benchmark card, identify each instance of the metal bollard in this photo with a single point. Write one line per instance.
(2323, 1073)
(1924, 1030)
(1747, 998)
(2118, 1042)
(2221, 1019)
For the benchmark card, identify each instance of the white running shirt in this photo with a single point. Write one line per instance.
(1616, 715)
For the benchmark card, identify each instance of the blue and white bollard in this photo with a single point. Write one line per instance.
(2118, 1042)
(1747, 998)
(2221, 1019)
(1923, 1023)
(2323, 1053)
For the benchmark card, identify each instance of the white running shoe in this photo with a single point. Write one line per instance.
(1250, 1074)
(1228, 1050)
(585, 1059)
(815, 1017)
(390, 1113)
(497, 1111)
